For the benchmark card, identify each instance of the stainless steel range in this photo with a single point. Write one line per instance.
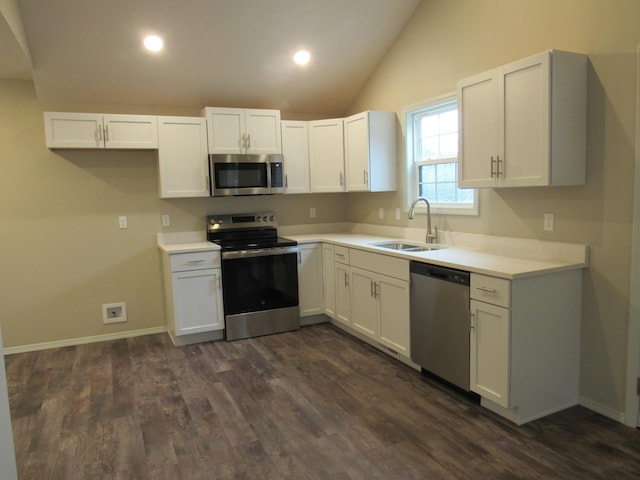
(259, 274)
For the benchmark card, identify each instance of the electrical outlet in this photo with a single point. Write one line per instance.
(312, 212)
(166, 220)
(381, 213)
(398, 213)
(548, 222)
(114, 312)
(122, 221)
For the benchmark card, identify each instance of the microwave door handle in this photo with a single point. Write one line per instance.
(269, 184)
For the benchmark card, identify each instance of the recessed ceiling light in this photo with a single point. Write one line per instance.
(153, 43)
(302, 57)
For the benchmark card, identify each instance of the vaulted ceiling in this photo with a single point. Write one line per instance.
(217, 52)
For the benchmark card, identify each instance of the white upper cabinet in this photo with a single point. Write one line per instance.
(370, 151)
(295, 149)
(182, 157)
(524, 124)
(236, 130)
(326, 153)
(90, 130)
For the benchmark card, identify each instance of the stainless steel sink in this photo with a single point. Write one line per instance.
(407, 247)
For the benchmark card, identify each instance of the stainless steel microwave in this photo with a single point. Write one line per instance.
(248, 174)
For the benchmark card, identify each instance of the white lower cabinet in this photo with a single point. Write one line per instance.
(329, 280)
(489, 352)
(193, 291)
(372, 297)
(525, 343)
(310, 278)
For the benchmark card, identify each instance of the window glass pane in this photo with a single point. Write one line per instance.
(449, 145)
(429, 124)
(428, 190)
(446, 192)
(446, 172)
(427, 174)
(430, 148)
(465, 195)
(449, 121)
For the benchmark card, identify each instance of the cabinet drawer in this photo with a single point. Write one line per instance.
(341, 254)
(382, 264)
(194, 260)
(496, 291)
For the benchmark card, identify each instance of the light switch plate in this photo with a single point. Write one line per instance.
(166, 220)
(122, 221)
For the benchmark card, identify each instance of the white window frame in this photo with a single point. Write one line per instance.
(411, 167)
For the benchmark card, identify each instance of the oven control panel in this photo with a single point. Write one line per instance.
(242, 220)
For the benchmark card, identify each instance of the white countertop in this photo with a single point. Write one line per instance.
(469, 259)
(477, 255)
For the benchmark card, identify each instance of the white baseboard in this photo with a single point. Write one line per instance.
(80, 341)
(601, 409)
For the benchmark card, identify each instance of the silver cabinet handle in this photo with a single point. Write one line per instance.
(218, 283)
(376, 293)
(486, 289)
(341, 179)
(372, 289)
(100, 133)
(498, 161)
(300, 258)
(195, 262)
(286, 181)
(248, 141)
(106, 133)
(472, 324)
(339, 255)
(346, 279)
(493, 161)
(366, 176)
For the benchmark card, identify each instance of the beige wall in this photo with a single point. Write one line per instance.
(450, 39)
(63, 253)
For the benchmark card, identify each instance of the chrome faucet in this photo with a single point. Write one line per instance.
(412, 211)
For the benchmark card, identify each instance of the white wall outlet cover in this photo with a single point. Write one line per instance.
(548, 222)
(122, 221)
(312, 212)
(381, 213)
(397, 213)
(166, 220)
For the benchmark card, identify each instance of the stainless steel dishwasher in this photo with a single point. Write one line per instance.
(440, 320)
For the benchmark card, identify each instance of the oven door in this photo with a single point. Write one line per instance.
(260, 291)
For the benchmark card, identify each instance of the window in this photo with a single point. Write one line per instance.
(432, 157)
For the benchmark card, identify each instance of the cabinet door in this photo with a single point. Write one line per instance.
(197, 298)
(225, 127)
(525, 102)
(329, 281)
(343, 293)
(310, 279)
(182, 157)
(478, 119)
(295, 149)
(364, 302)
(393, 299)
(356, 152)
(326, 153)
(130, 131)
(262, 130)
(73, 130)
(490, 352)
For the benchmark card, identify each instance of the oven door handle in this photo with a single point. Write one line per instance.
(261, 252)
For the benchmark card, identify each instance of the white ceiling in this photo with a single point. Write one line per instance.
(217, 52)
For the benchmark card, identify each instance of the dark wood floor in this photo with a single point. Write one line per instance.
(310, 404)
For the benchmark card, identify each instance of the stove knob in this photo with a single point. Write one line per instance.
(271, 218)
(264, 218)
(258, 219)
